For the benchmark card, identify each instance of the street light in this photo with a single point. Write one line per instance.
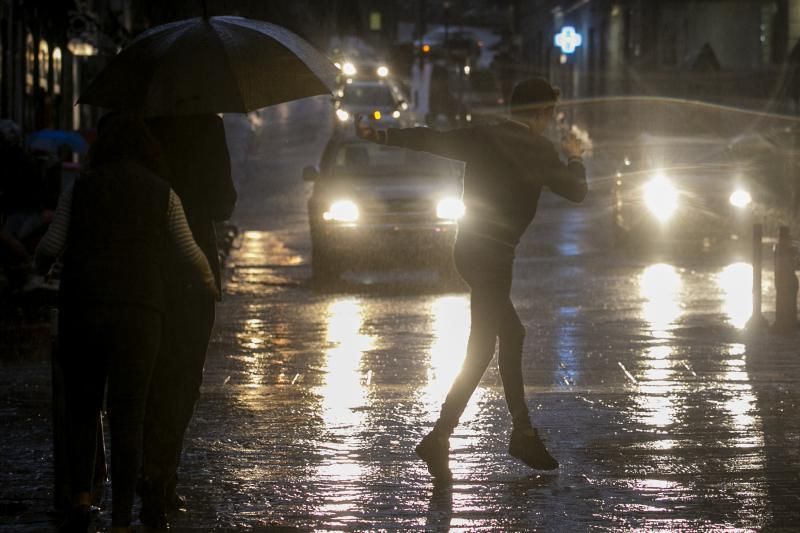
(81, 48)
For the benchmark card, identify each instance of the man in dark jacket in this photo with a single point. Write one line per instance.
(507, 166)
(199, 171)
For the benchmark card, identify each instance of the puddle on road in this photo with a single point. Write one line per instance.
(259, 261)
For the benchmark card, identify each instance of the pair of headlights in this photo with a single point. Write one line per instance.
(344, 116)
(662, 198)
(347, 211)
(349, 69)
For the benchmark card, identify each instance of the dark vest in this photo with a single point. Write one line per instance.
(117, 237)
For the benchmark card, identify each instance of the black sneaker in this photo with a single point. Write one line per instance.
(526, 446)
(434, 449)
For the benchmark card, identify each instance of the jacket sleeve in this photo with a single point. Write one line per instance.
(52, 245)
(459, 144)
(568, 181)
(181, 237)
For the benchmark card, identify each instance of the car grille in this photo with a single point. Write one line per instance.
(399, 210)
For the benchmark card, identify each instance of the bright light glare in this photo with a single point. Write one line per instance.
(396, 114)
(450, 209)
(736, 283)
(740, 198)
(342, 211)
(382, 71)
(342, 115)
(376, 115)
(660, 285)
(466, 69)
(349, 69)
(661, 197)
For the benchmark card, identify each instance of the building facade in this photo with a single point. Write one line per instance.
(732, 51)
(49, 50)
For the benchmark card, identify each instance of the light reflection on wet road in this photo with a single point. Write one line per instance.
(661, 413)
(637, 373)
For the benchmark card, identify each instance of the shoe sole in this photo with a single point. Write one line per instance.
(535, 467)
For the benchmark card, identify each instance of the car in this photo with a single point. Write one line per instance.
(378, 206)
(380, 101)
(682, 189)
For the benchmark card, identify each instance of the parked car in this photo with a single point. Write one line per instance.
(377, 206)
(681, 189)
(381, 101)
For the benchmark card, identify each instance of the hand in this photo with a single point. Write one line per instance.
(571, 145)
(214, 291)
(365, 131)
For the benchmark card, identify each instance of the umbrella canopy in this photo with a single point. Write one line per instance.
(211, 65)
(51, 140)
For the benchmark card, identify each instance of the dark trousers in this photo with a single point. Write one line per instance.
(487, 269)
(114, 345)
(175, 385)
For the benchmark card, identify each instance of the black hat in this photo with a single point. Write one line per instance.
(533, 93)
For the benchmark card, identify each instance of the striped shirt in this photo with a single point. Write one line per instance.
(54, 241)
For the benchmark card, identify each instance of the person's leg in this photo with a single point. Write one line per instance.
(525, 443)
(175, 389)
(480, 350)
(82, 360)
(434, 448)
(136, 335)
(512, 336)
(84, 369)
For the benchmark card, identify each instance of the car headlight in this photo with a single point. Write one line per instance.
(740, 198)
(382, 71)
(349, 69)
(661, 197)
(342, 115)
(396, 114)
(342, 211)
(450, 209)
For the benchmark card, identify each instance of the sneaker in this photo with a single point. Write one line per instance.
(526, 446)
(434, 449)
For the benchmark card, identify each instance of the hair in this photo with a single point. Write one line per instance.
(532, 95)
(122, 136)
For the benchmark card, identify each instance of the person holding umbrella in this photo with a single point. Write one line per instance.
(180, 75)
(115, 228)
(199, 171)
(507, 166)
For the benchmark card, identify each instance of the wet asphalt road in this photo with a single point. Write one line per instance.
(663, 414)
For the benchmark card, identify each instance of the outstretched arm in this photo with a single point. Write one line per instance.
(457, 144)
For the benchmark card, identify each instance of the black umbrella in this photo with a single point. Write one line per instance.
(211, 65)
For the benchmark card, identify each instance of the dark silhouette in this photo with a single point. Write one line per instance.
(114, 228)
(507, 166)
(196, 154)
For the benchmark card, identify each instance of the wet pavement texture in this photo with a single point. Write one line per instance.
(663, 414)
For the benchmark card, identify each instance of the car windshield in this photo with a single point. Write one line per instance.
(685, 155)
(376, 161)
(378, 95)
